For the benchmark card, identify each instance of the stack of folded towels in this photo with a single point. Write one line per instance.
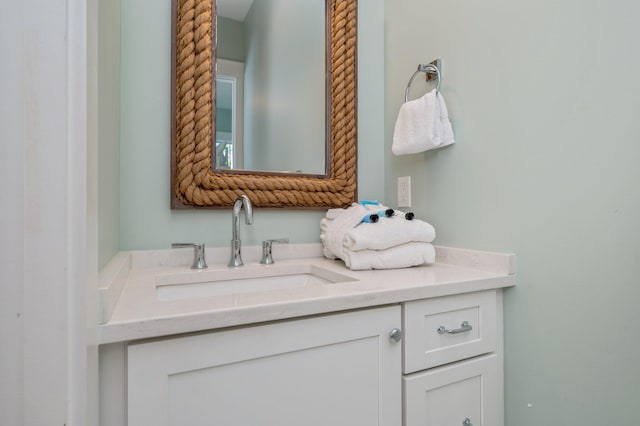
(391, 242)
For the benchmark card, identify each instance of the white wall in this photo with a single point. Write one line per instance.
(544, 97)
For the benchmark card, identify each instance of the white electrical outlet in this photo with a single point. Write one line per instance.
(404, 191)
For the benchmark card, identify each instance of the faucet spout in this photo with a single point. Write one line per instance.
(241, 201)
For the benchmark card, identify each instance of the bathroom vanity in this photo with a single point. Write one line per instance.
(415, 346)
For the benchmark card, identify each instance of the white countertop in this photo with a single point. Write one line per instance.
(131, 309)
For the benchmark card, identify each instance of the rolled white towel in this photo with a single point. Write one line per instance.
(323, 237)
(333, 213)
(326, 253)
(332, 231)
(402, 256)
(388, 232)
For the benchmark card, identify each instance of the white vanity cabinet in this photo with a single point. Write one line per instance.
(453, 360)
(320, 354)
(340, 369)
(334, 369)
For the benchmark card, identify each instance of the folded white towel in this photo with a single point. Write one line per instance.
(422, 124)
(332, 230)
(388, 232)
(326, 253)
(333, 213)
(402, 256)
(324, 226)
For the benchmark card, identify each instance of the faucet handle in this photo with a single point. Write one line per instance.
(267, 258)
(198, 254)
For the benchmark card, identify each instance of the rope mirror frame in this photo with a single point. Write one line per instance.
(194, 183)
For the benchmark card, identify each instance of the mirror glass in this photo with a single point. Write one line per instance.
(271, 86)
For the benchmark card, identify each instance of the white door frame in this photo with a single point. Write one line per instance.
(47, 244)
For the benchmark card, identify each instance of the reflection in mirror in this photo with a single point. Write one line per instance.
(271, 86)
(229, 115)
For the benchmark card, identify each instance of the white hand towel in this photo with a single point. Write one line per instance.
(388, 232)
(402, 256)
(422, 124)
(332, 231)
(447, 130)
(416, 125)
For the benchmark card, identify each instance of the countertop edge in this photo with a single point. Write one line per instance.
(225, 318)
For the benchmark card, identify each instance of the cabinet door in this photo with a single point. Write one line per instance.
(452, 394)
(332, 370)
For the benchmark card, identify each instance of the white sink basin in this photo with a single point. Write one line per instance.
(194, 284)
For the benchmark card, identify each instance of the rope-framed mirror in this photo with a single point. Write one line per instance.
(194, 182)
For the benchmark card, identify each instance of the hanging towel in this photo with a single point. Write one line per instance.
(447, 130)
(402, 256)
(388, 232)
(422, 124)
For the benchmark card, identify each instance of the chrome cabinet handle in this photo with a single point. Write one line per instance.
(463, 328)
(466, 422)
(395, 335)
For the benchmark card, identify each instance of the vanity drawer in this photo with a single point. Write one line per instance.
(461, 394)
(447, 329)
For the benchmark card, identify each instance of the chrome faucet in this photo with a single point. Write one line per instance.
(243, 200)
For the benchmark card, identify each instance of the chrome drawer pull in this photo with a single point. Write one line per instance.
(463, 328)
(466, 422)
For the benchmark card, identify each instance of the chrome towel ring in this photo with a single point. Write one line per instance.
(433, 73)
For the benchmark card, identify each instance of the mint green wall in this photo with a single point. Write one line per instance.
(544, 97)
(108, 129)
(146, 222)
